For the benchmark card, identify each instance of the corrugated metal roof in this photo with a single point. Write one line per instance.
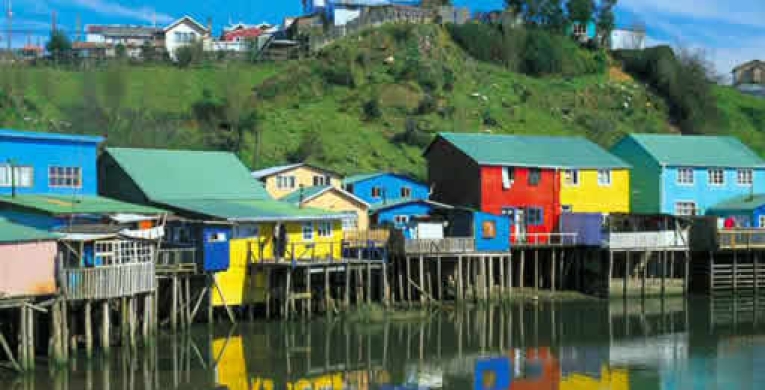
(312, 192)
(533, 151)
(239, 210)
(698, 151)
(12, 232)
(401, 202)
(261, 173)
(747, 203)
(10, 133)
(164, 175)
(67, 205)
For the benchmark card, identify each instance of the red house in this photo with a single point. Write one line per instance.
(518, 176)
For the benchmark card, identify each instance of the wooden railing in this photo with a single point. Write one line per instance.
(667, 239)
(363, 237)
(107, 282)
(174, 260)
(545, 239)
(440, 246)
(742, 239)
(302, 252)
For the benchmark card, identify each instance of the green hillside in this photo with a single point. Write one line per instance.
(366, 103)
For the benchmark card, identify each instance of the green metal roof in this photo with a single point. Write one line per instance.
(305, 193)
(400, 202)
(747, 203)
(11, 232)
(533, 151)
(698, 151)
(177, 174)
(66, 205)
(241, 210)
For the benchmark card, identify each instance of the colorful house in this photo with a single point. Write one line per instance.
(383, 188)
(330, 198)
(582, 32)
(532, 179)
(688, 175)
(489, 231)
(748, 211)
(228, 217)
(400, 214)
(286, 179)
(27, 261)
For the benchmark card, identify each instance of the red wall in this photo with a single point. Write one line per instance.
(545, 195)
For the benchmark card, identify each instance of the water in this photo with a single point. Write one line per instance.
(701, 344)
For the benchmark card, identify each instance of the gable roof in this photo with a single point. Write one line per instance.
(187, 19)
(18, 134)
(746, 203)
(698, 151)
(353, 179)
(748, 64)
(310, 193)
(251, 210)
(68, 205)
(11, 232)
(164, 175)
(532, 151)
(403, 202)
(266, 172)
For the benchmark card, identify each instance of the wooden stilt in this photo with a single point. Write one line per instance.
(439, 281)
(187, 311)
(460, 282)
(552, 270)
(492, 282)
(663, 274)
(88, 330)
(145, 325)
(174, 304)
(132, 317)
(30, 338)
(686, 273)
(287, 297)
(327, 298)
(59, 344)
(626, 273)
(521, 274)
(268, 293)
(610, 271)
(65, 328)
(22, 344)
(401, 295)
(735, 271)
(536, 270)
(422, 279)
(309, 291)
(510, 275)
(502, 280)
(210, 291)
(369, 282)
(347, 297)
(386, 287)
(105, 325)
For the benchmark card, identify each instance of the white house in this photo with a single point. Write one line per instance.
(627, 39)
(131, 37)
(183, 32)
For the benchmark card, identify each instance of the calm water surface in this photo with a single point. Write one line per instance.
(702, 344)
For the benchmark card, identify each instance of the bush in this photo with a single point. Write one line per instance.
(372, 109)
(188, 55)
(542, 56)
(427, 105)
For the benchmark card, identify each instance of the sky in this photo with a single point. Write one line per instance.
(727, 35)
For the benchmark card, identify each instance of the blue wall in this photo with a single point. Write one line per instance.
(216, 254)
(501, 242)
(409, 209)
(592, 30)
(701, 192)
(391, 185)
(42, 153)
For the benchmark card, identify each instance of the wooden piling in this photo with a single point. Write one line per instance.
(386, 287)
(521, 274)
(422, 279)
(491, 285)
(88, 330)
(147, 318)
(687, 271)
(309, 302)
(610, 271)
(347, 292)
(552, 270)
(174, 303)
(626, 273)
(132, 323)
(509, 274)
(22, 344)
(663, 273)
(502, 280)
(105, 324)
(30, 338)
(327, 303)
(187, 299)
(59, 344)
(536, 270)
(460, 282)
(287, 297)
(369, 282)
(439, 281)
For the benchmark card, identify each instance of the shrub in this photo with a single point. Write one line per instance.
(427, 105)
(372, 109)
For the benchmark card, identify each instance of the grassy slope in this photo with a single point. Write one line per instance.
(303, 99)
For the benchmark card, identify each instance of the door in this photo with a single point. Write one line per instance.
(216, 249)
(517, 217)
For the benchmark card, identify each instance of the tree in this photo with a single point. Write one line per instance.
(580, 10)
(148, 51)
(606, 19)
(121, 51)
(552, 15)
(189, 54)
(59, 45)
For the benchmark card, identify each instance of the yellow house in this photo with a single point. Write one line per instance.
(283, 180)
(336, 200)
(595, 190)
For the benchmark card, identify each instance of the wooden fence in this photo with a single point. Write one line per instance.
(107, 282)
(545, 239)
(668, 239)
(742, 239)
(440, 246)
(176, 260)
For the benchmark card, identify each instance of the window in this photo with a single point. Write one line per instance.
(580, 29)
(406, 192)
(285, 182)
(744, 177)
(489, 229)
(64, 177)
(322, 181)
(572, 177)
(716, 177)
(350, 223)
(246, 231)
(184, 37)
(685, 176)
(376, 192)
(567, 208)
(534, 216)
(216, 237)
(685, 208)
(508, 177)
(761, 220)
(349, 188)
(604, 177)
(324, 229)
(22, 176)
(401, 220)
(535, 176)
(308, 231)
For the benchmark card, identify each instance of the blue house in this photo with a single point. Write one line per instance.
(491, 232)
(385, 188)
(47, 164)
(747, 211)
(688, 175)
(400, 214)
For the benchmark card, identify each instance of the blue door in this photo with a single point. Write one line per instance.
(216, 248)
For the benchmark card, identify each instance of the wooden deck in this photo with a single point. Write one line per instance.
(107, 282)
(668, 240)
(450, 245)
(742, 239)
(176, 260)
(545, 240)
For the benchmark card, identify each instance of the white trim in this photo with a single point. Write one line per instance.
(682, 184)
(696, 209)
(192, 21)
(341, 191)
(710, 176)
(575, 174)
(751, 177)
(609, 175)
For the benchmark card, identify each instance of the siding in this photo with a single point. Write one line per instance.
(27, 269)
(454, 177)
(590, 197)
(115, 183)
(645, 192)
(701, 192)
(303, 177)
(391, 185)
(410, 210)
(333, 201)
(41, 154)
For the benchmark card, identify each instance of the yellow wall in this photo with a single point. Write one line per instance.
(335, 201)
(609, 379)
(303, 176)
(590, 197)
(240, 288)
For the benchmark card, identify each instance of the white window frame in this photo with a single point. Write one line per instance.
(401, 219)
(324, 229)
(680, 204)
(571, 177)
(605, 177)
(350, 223)
(18, 173)
(285, 182)
(379, 191)
(73, 174)
(322, 180)
(716, 173)
(307, 230)
(508, 177)
(537, 222)
(683, 179)
(745, 177)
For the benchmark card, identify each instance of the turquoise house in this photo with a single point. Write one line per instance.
(688, 175)
(582, 31)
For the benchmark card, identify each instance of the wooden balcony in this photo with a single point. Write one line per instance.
(450, 245)
(545, 240)
(176, 260)
(108, 282)
(741, 239)
(666, 240)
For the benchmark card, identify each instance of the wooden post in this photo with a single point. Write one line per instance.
(490, 284)
(188, 299)
(663, 274)
(147, 318)
(552, 271)
(105, 323)
(210, 292)
(30, 338)
(309, 291)
(268, 293)
(521, 274)
(439, 281)
(711, 272)
(386, 287)
(174, 310)
(88, 331)
(407, 280)
(643, 272)
(132, 315)
(686, 273)
(401, 295)
(369, 282)
(502, 280)
(422, 279)
(460, 282)
(326, 290)
(56, 334)
(287, 288)
(735, 270)
(536, 270)
(347, 297)
(610, 271)
(510, 275)
(22, 344)
(626, 273)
